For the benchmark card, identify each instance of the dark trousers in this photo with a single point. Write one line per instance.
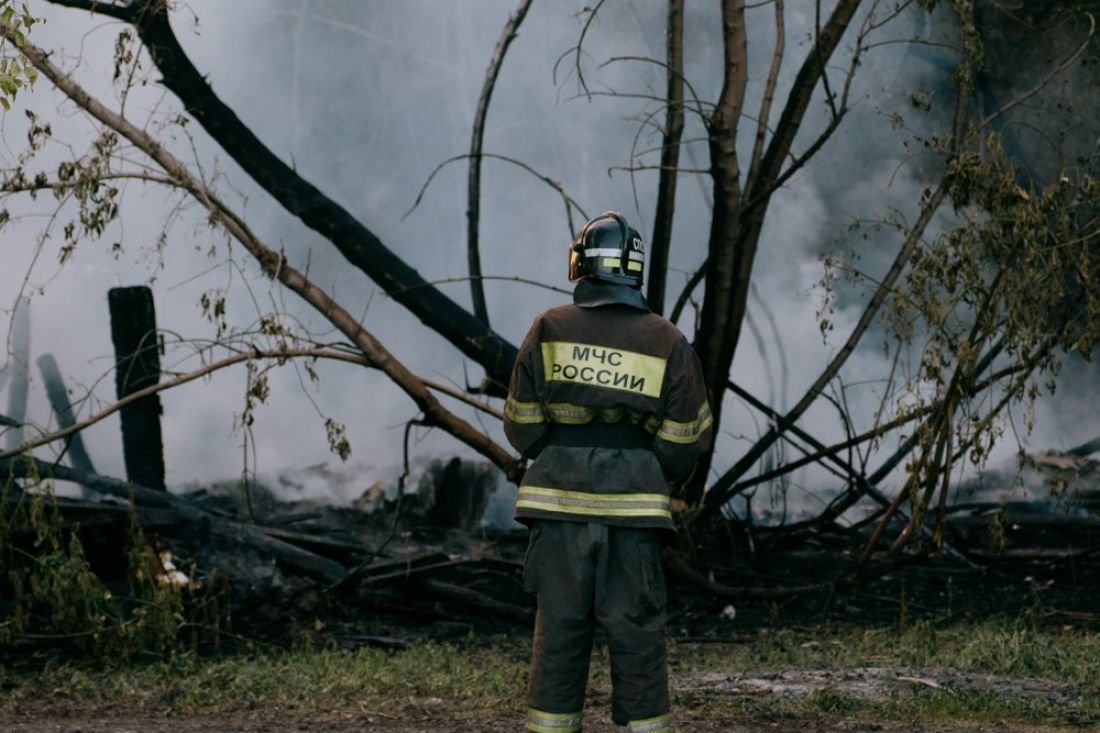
(584, 574)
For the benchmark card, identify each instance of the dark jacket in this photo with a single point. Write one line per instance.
(608, 399)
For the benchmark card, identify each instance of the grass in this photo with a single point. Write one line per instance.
(492, 676)
(999, 646)
(301, 678)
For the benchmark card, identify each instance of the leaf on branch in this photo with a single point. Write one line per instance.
(337, 438)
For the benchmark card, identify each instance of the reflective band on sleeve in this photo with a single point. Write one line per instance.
(599, 366)
(660, 724)
(686, 432)
(541, 722)
(523, 413)
(611, 262)
(634, 265)
(589, 504)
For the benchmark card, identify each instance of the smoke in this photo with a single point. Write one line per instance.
(365, 100)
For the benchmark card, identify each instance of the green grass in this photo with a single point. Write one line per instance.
(999, 646)
(301, 678)
(935, 706)
(483, 675)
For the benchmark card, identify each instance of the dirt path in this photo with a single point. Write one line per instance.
(481, 721)
(709, 703)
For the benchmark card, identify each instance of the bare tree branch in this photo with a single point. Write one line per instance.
(1068, 62)
(302, 199)
(275, 265)
(567, 200)
(579, 48)
(719, 492)
(769, 88)
(125, 12)
(473, 189)
(251, 355)
(661, 241)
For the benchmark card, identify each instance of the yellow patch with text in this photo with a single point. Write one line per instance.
(599, 366)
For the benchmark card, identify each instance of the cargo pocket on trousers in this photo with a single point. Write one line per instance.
(653, 578)
(530, 561)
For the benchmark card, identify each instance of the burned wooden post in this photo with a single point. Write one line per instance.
(459, 493)
(137, 365)
(18, 368)
(59, 401)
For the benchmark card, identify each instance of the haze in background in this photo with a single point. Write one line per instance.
(366, 99)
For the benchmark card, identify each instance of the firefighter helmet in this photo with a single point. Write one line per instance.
(609, 250)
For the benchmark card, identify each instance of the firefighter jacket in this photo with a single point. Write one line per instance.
(608, 400)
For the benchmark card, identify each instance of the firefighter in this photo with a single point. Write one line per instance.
(607, 400)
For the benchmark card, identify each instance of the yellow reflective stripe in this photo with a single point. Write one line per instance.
(543, 722)
(523, 413)
(542, 728)
(599, 366)
(589, 504)
(659, 724)
(568, 414)
(592, 511)
(686, 432)
(587, 495)
(634, 265)
(611, 261)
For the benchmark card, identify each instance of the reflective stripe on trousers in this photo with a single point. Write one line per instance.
(585, 504)
(659, 724)
(541, 721)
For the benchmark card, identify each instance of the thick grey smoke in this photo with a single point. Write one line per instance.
(366, 99)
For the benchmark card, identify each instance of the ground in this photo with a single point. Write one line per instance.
(442, 717)
(1005, 675)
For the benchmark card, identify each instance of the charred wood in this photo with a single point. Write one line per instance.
(1086, 449)
(189, 517)
(137, 366)
(63, 409)
(476, 600)
(18, 367)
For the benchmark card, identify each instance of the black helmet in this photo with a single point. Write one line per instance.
(609, 250)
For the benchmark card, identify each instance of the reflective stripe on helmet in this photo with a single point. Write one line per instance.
(599, 366)
(589, 504)
(523, 413)
(543, 722)
(686, 432)
(611, 252)
(659, 724)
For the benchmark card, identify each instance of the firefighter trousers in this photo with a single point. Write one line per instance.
(584, 574)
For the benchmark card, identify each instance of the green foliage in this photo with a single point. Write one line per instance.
(1016, 275)
(16, 73)
(49, 592)
(88, 182)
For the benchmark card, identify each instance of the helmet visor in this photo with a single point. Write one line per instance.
(576, 264)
